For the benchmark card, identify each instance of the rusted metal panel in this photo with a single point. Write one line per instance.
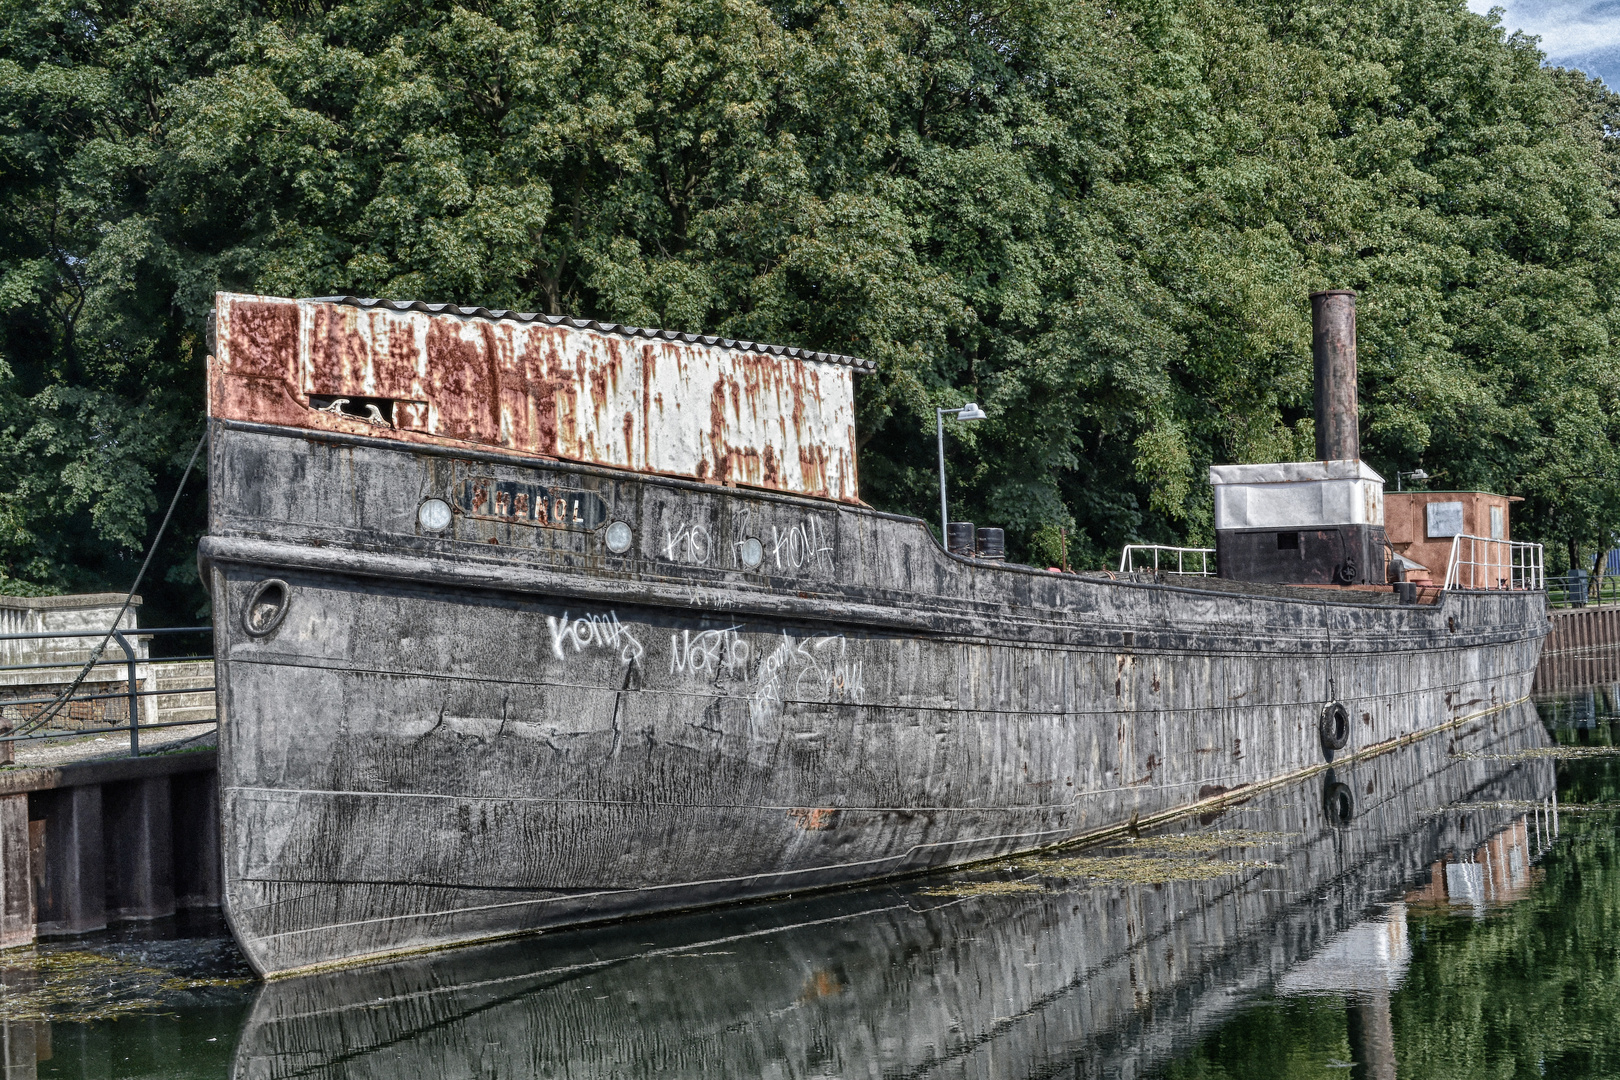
(650, 401)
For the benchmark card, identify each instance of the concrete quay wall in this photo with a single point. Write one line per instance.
(86, 844)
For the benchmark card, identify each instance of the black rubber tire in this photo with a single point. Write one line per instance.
(1334, 726)
(1338, 804)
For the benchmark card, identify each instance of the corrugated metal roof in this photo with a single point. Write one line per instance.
(671, 404)
(861, 366)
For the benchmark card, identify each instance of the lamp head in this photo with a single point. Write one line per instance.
(1418, 474)
(971, 411)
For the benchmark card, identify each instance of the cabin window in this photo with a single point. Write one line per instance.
(1288, 541)
(1445, 519)
(1498, 525)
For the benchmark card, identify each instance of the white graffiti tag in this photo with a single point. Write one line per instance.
(814, 666)
(708, 652)
(593, 632)
(800, 545)
(838, 672)
(765, 703)
(688, 543)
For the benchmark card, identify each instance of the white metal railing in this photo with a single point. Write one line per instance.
(1206, 560)
(1479, 563)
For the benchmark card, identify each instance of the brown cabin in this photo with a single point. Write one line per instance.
(1420, 524)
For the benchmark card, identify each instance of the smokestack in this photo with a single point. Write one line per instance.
(1333, 347)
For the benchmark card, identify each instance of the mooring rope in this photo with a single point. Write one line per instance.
(47, 712)
(1327, 627)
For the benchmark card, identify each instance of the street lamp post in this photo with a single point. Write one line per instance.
(970, 411)
(1415, 474)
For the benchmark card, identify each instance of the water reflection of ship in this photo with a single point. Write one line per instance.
(1500, 871)
(1071, 978)
(1367, 962)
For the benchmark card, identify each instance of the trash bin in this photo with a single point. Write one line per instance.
(1577, 588)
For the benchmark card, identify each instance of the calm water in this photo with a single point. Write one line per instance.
(1448, 910)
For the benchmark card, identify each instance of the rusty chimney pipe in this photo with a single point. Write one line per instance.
(1333, 348)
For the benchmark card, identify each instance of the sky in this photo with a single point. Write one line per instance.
(1582, 34)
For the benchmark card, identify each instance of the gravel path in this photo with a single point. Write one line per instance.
(110, 745)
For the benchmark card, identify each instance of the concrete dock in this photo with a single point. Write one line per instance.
(90, 835)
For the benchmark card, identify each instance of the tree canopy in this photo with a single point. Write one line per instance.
(1101, 221)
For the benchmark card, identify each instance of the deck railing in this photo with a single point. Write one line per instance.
(22, 719)
(1477, 562)
(1162, 555)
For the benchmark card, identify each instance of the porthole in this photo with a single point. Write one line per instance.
(619, 537)
(266, 606)
(433, 515)
(752, 552)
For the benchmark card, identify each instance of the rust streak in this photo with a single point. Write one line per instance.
(542, 389)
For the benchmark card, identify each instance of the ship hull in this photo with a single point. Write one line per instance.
(505, 727)
(1063, 977)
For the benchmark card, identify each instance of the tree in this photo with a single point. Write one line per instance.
(1100, 221)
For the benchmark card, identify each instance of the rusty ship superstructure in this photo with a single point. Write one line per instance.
(525, 622)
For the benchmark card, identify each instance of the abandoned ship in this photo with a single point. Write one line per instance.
(526, 621)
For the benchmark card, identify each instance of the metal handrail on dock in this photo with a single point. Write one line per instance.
(1480, 563)
(1127, 563)
(131, 679)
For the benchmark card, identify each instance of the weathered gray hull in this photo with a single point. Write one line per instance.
(1068, 980)
(508, 728)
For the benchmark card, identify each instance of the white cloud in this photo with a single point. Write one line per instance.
(1574, 33)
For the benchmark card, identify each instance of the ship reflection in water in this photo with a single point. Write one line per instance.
(1117, 962)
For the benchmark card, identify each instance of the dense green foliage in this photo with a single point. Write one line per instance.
(1100, 221)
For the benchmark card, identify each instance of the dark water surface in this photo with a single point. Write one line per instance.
(1450, 909)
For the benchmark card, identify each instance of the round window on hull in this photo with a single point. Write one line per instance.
(619, 537)
(433, 515)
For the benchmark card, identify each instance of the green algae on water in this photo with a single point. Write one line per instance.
(1534, 752)
(1524, 805)
(1205, 842)
(41, 983)
(1154, 860)
(1150, 860)
(983, 888)
(1145, 869)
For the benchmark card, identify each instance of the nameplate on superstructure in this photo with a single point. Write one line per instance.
(524, 503)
